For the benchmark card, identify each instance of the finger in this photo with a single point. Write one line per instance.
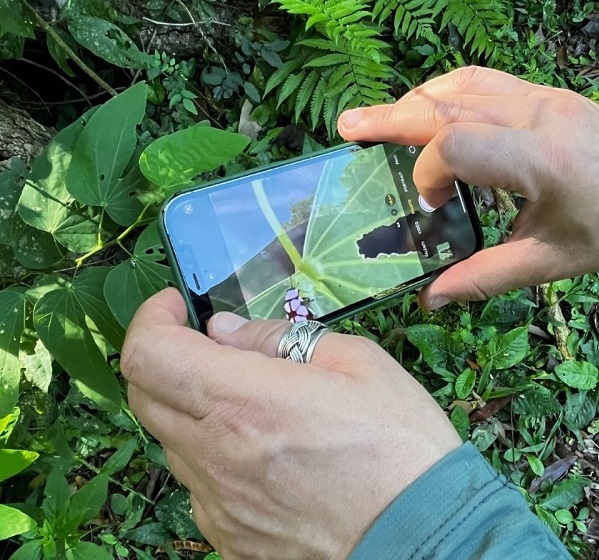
(474, 80)
(417, 122)
(525, 262)
(167, 424)
(184, 369)
(478, 154)
(335, 351)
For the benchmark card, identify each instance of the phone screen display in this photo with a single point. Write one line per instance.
(309, 238)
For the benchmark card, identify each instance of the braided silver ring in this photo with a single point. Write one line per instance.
(299, 341)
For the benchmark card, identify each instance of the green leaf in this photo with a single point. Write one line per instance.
(438, 348)
(58, 53)
(536, 401)
(16, 19)
(548, 519)
(564, 516)
(88, 501)
(83, 550)
(32, 248)
(13, 461)
(14, 522)
(331, 271)
(536, 465)
(154, 534)
(88, 288)
(102, 153)
(465, 383)
(107, 41)
(129, 284)
(580, 375)
(120, 458)
(461, 422)
(60, 320)
(506, 350)
(175, 514)
(10, 188)
(580, 410)
(13, 306)
(45, 202)
(57, 495)
(252, 92)
(37, 367)
(566, 494)
(177, 158)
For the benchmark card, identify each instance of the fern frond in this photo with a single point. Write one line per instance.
(305, 92)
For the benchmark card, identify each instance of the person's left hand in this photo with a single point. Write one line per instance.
(283, 460)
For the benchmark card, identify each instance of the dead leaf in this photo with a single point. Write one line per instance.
(490, 409)
(553, 472)
(248, 126)
(562, 57)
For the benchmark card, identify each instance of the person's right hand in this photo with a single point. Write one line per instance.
(491, 129)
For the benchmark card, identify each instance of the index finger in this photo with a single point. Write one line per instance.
(474, 80)
(181, 367)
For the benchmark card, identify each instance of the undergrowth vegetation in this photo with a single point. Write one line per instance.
(136, 114)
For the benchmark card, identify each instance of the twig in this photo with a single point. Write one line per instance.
(50, 31)
(43, 103)
(206, 39)
(58, 75)
(67, 101)
(167, 24)
(560, 330)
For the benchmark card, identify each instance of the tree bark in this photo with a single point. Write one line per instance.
(20, 135)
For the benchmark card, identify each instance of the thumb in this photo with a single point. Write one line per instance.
(260, 336)
(514, 264)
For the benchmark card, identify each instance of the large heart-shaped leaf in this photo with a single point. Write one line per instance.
(331, 271)
(88, 288)
(60, 320)
(31, 248)
(13, 306)
(102, 153)
(177, 158)
(135, 280)
(45, 202)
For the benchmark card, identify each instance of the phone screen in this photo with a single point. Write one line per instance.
(312, 237)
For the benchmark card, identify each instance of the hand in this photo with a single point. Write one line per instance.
(492, 129)
(283, 460)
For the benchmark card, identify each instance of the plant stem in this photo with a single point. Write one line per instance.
(68, 50)
(276, 226)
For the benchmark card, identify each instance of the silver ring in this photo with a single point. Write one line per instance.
(299, 341)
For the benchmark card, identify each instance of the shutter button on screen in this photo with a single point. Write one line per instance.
(425, 205)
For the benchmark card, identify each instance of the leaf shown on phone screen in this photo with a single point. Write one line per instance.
(331, 273)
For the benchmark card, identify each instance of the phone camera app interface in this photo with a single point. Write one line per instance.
(315, 236)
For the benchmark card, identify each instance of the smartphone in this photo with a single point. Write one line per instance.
(319, 237)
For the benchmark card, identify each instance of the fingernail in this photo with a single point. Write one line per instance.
(437, 301)
(350, 119)
(226, 323)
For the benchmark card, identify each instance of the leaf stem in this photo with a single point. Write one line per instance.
(276, 226)
(68, 50)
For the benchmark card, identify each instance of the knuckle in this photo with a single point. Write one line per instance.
(447, 111)
(130, 354)
(465, 76)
